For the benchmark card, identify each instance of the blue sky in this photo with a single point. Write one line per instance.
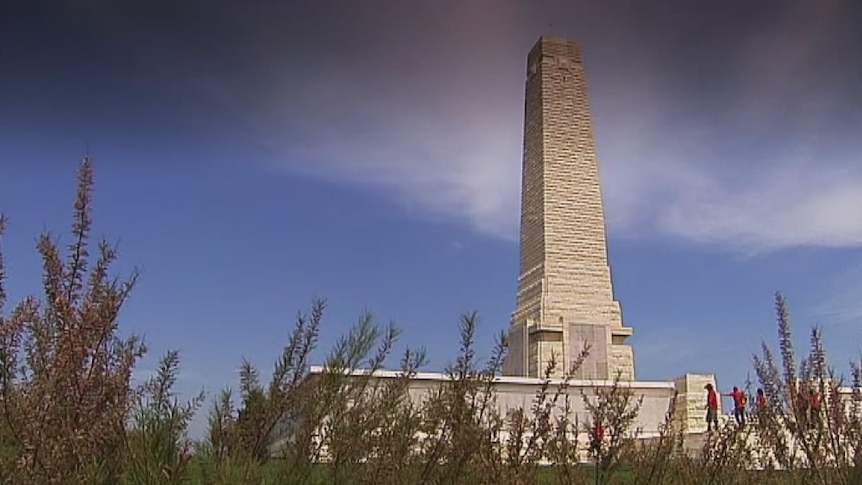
(249, 158)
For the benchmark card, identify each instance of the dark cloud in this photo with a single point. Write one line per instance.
(700, 107)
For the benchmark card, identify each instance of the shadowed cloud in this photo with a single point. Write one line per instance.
(732, 126)
(741, 142)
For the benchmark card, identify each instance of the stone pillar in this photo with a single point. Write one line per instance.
(690, 410)
(565, 282)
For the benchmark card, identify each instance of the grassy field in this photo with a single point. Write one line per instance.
(276, 473)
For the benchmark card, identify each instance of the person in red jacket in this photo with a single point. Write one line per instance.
(711, 408)
(815, 407)
(761, 401)
(740, 400)
(802, 403)
(598, 437)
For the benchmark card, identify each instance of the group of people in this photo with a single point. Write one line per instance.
(808, 405)
(807, 400)
(740, 402)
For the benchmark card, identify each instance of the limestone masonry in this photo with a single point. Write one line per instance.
(565, 294)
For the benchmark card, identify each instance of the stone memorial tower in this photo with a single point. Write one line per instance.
(565, 293)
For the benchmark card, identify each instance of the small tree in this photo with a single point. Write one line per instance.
(64, 369)
(158, 449)
(459, 422)
(610, 426)
(818, 444)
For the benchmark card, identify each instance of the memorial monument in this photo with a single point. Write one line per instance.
(565, 292)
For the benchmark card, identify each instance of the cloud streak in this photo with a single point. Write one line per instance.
(840, 298)
(735, 128)
(799, 180)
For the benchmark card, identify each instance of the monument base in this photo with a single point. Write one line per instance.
(657, 398)
(623, 362)
(533, 346)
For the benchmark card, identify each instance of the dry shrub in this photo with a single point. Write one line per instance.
(362, 425)
(811, 447)
(610, 428)
(460, 427)
(356, 424)
(64, 369)
(659, 460)
(240, 439)
(158, 449)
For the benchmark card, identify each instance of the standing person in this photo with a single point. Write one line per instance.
(711, 408)
(815, 407)
(761, 401)
(598, 438)
(803, 401)
(739, 402)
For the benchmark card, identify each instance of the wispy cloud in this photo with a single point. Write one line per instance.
(840, 299)
(739, 134)
(758, 161)
(755, 153)
(780, 165)
(795, 204)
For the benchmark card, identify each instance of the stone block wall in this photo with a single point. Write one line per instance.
(565, 280)
(622, 360)
(690, 408)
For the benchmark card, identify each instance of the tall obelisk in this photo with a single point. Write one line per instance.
(565, 293)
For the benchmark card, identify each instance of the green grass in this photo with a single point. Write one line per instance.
(272, 472)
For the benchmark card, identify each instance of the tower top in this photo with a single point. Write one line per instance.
(553, 45)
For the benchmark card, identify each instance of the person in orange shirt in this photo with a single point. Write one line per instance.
(815, 407)
(802, 403)
(739, 402)
(761, 401)
(597, 439)
(711, 408)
